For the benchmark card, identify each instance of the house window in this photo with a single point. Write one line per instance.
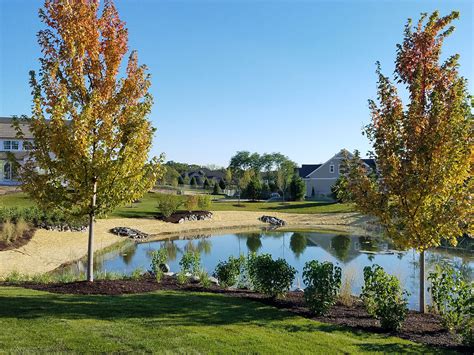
(11, 145)
(331, 168)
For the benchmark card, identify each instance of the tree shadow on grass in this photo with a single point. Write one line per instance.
(165, 308)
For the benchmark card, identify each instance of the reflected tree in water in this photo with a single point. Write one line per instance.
(204, 246)
(298, 244)
(254, 242)
(341, 245)
(128, 252)
(172, 249)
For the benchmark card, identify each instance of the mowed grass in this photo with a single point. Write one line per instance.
(171, 322)
(306, 207)
(147, 207)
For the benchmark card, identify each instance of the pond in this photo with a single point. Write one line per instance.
(352, 253)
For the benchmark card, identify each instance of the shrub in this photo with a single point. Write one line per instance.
(383, 297)
(253, 189)
(204, 202)
(169, 204)
(228, 272)
(191, 202)
(453, 299)
(158, 257)
(323, 281)
(190, 262)
(271, 277)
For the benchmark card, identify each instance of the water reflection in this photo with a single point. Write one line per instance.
(298, 244)
(350, 252)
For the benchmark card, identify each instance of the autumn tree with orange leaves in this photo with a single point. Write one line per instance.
(92, 136)
(422, 192)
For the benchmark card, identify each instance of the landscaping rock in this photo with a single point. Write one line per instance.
(273, 221)
(129, 232)
(165, 268)
(213, 280)
(169, 273)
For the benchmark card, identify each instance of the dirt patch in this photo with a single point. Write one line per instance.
(184, 215)
(422, 328)
(19, 242)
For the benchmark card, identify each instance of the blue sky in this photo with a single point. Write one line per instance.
(265, 76)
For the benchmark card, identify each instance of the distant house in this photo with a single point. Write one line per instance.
(321, 177)
(201, 174)
(10, 146)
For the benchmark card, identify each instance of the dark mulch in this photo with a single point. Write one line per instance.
(175, 217)
(19, 242)
(421, 328)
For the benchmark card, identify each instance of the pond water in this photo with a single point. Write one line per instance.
(352, 253)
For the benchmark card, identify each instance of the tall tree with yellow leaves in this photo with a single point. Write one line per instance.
(92, 136)
(423, 189)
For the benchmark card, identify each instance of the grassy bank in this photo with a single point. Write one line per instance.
(175, 322)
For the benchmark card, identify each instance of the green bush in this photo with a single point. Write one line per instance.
(271, 277)
(453, 299)
(190, 262)
(323, 281)
(158, 257)
(204, 202)
(191, 202)
(40, 218)
(383, 297)
(204, 278)
(169, 204)
(228, 272)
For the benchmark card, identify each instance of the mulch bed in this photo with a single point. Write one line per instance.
(175, 217)
(422, 328)
(19, 242)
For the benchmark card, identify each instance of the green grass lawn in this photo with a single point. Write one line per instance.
(147, 207)
(306, 207)
(172, 322)
(19, 199)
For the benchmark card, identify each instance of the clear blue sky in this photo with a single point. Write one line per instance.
(287, 76)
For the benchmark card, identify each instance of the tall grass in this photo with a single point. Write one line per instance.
(348, 279)
(10, 231)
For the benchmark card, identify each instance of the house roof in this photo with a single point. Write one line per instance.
(370, 162)
(7, 131)
(307, 169)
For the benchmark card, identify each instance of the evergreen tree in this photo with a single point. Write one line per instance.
(216, 189)
(222, 184)
(193, 182)
(297, 188)
(206, 185)
(253, 189)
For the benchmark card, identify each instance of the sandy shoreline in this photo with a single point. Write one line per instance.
(48, 250)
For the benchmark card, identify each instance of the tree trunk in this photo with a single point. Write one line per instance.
(422, 281)
(90, 246)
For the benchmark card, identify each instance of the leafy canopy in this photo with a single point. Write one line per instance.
(423, 148)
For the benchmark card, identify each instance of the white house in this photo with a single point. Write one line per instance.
(17, 147)
(321, 177)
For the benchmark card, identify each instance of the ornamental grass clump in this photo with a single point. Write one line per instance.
(453, 299)
(323, 281)
(383, 297)
(270, 277)
(169, 204)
